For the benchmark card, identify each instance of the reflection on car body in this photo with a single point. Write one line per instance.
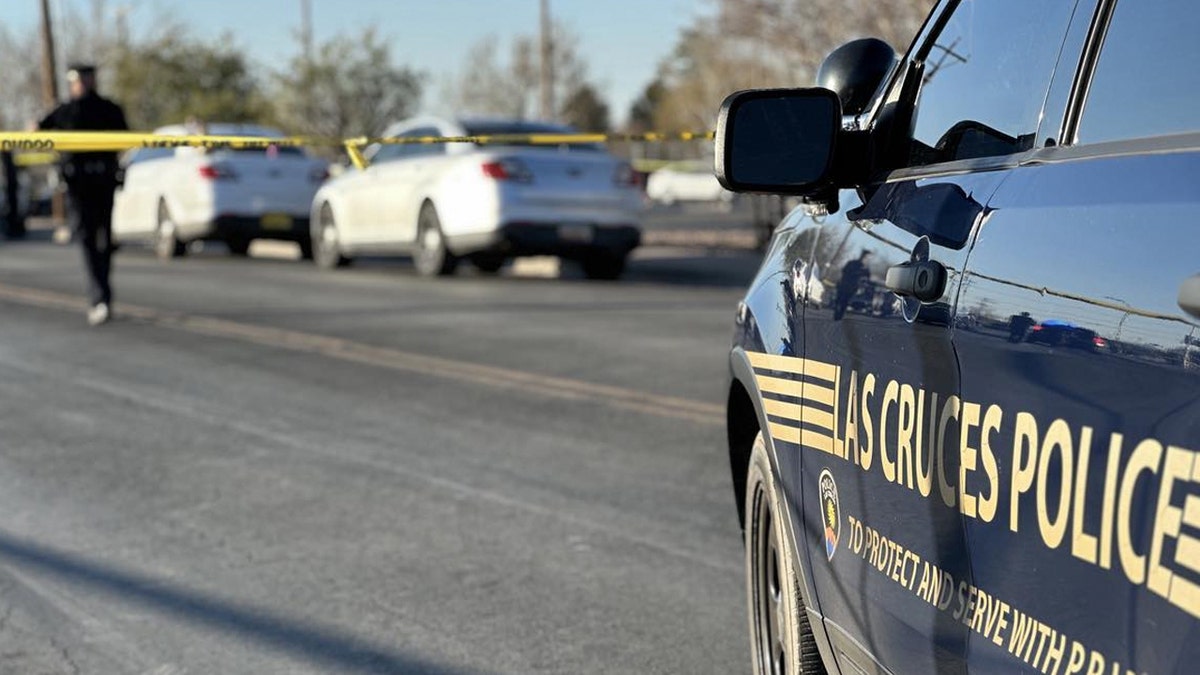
(1003, 474)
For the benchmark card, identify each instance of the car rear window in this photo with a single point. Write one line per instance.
(281, 151)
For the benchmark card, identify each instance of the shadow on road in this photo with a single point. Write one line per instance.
(327, 647)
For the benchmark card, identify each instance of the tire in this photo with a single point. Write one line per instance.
(166, 236)
(781, 638)
(604, 266)
(327, 247)
(431, 257)
(487, 263)
(238, 248)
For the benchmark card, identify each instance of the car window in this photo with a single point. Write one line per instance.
(1146, 81)
(986, 76)
(387, 153)
(423, 149)
(146, 154)
(278, 150)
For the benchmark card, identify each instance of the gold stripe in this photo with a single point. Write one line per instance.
(818, 394)
(820, 370)
(781, 432)
(816, 440)
(789, 411)
(799, 413)
(786, 364)
(778, 385)
(818, 418)
(803, 437)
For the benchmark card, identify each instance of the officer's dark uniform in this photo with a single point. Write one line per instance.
(91, 179)
(14, 220)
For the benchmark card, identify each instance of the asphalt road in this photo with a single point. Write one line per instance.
(260, 468)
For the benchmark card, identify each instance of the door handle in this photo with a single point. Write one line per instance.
(924, 280)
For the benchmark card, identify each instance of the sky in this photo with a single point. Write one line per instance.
(623, 41)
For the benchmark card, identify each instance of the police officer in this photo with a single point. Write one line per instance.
(91, 179)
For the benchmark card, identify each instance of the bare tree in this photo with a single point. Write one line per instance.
(21, 86)
(744, 44)
(511, 87)
(349, 87)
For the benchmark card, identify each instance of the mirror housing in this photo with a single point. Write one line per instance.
(1189, 296)
(855, 72)
(778, 141)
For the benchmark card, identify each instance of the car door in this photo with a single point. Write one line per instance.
(367, 194)
(135, 205)
(398, 181)
(892, 468)
(1074, 327)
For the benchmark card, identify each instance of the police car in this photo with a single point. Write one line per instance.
(922, 489)
(447, 202)
(173, 196)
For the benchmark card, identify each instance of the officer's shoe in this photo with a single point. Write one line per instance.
(99, 314)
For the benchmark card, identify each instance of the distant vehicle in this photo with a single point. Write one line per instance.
(446, 202)
(1063, 334)
(686, 182)
(173, 196)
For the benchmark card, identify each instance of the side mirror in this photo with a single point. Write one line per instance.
(1189, 296)
(778, 141)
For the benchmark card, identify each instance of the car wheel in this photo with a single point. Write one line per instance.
(238, 247)
(605, 266)
(780, 634)
(432, 258)
(306, 248)
(327, 247)
(487, 263)
(166, 236)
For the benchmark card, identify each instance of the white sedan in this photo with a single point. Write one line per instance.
(444, 203)
(172, 196)
(686, 181)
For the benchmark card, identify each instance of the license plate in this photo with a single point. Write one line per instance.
(576, 234)
(276, 221)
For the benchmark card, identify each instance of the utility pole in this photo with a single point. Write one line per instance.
(546, 72)
(306, 33)
(49, 68)
(49, 101)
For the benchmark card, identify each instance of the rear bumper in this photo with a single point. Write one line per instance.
(570, 241)
(228, 227)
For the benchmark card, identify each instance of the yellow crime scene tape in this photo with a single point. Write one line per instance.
(41, 142)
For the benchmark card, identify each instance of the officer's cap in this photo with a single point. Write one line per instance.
(76, 71)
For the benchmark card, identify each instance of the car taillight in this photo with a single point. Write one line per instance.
(1099, 341)
(625, 176)
(217, 172)
(1036, 328)
(508, 169)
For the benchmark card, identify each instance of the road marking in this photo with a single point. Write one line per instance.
(620, 398)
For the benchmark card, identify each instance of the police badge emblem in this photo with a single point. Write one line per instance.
(831, 512)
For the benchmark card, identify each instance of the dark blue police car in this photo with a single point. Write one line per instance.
(922, 489)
